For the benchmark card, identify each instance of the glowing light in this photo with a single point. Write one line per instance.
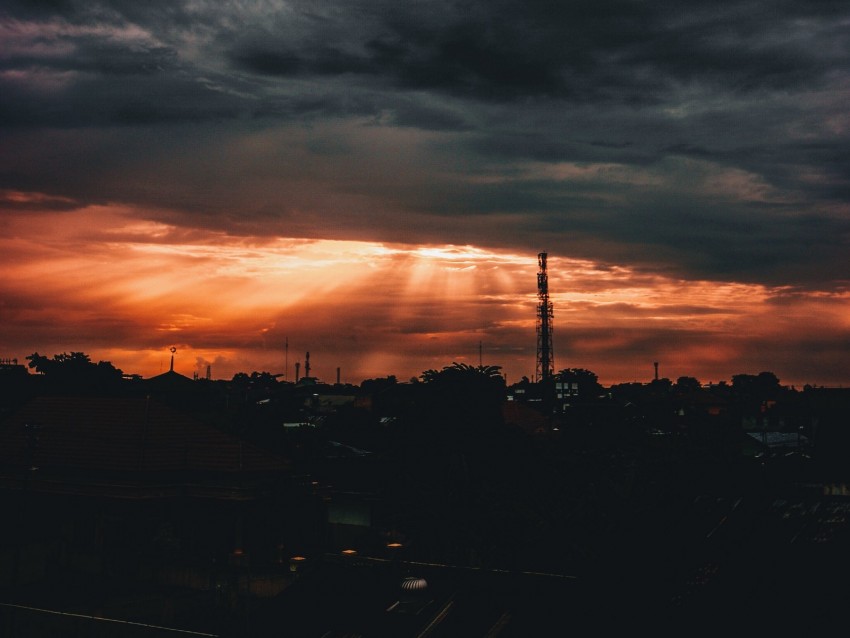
(101, 280)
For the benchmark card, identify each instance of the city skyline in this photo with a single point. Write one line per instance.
(372, 182)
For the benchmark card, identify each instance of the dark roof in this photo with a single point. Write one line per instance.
(518, 414)
(134, 434)
(772, 439)
(170, 381)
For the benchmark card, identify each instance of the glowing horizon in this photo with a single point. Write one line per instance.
(106, 282)
(375, 185)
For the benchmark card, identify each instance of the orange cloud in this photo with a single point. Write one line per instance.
(105, 281)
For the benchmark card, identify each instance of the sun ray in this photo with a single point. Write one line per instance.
(101, 276)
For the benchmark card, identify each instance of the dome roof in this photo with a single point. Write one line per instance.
(414, 583)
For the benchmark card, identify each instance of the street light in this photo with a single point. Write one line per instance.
(294, 562)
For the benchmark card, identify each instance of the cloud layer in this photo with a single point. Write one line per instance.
(697, 144)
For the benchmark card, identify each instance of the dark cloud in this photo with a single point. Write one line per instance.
(270, 63)
(18, 201)
(706, 139)
(28, 9)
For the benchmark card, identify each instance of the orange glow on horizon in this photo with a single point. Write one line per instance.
(104, 281)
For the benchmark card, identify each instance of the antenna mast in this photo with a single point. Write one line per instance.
(545, 359)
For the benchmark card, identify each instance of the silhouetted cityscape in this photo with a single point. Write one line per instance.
(644, 429)
(452, 504)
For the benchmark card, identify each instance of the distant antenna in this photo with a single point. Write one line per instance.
(655, 363)
(297, 369)
(307, 365)
(173, 350)
(209, 372)
(545, 358)
(286, 360)
(337, 376)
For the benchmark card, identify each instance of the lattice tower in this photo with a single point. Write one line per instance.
(545, 357)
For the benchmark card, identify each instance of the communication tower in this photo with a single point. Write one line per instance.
(545, 359)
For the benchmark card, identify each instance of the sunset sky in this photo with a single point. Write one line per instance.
(371, 181)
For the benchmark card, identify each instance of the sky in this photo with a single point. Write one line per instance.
(371, 182)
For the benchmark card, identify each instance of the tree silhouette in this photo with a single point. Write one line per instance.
(75, 370)
(461, 384)
(379, 384)
(463, 373)
(685, 385)
(430, 375)
(462, 398)
(749, 388)
(450, 451)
